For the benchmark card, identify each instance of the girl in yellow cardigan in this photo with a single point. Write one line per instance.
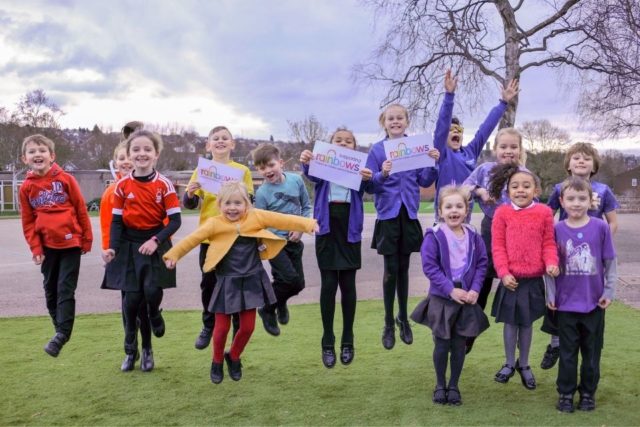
(238, 240)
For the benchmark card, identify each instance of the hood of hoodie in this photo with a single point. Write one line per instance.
(55, 170)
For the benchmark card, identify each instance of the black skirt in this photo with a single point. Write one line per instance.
(521, 307)
(446, 317)
(333, 250)
(397, 235)
(130, 271)
(242, 283)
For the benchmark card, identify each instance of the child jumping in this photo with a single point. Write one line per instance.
(457, 161)
(581, 160)
(523, 251)
(284, 193)
(397, 232)
(220, 144)
(57, 229)
(238, 239)
(455, 261)
(138, 238)
(582, 291)
(340, 216)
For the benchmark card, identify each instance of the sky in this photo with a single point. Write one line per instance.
(251, 65)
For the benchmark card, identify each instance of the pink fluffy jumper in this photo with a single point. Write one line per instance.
(522, 241)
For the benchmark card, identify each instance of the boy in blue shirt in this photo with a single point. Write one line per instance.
(285, 193)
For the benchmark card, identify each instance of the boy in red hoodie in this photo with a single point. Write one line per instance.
(57, 229)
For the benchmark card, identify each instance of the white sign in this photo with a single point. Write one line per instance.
(409, 153)
(211, 175)
(337, 164)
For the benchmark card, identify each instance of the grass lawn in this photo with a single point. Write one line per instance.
(284, 381)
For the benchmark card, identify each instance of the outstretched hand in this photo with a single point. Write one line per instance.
(450, 81)
(510, 90)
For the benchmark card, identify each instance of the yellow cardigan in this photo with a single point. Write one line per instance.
(221, 234)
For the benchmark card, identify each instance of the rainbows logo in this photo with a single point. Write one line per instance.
(403, 151)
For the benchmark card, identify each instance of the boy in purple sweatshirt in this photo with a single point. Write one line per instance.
(458, 161)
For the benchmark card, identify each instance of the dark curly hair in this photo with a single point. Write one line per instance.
(501, 175)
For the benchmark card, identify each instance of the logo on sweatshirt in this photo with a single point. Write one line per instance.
(50, 198)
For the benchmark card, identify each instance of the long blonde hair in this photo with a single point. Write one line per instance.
(228, 189)
(522, 159)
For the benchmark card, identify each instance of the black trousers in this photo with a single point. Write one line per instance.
(207, 283)
(287, 272)
(582, 332)
(60, 269)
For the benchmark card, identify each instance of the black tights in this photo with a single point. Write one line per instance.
(396, 278)
(133, 304)
(441, 350)
(330, 280)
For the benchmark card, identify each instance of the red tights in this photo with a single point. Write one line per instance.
(221, 330)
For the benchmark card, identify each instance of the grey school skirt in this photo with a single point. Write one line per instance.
(446, 317)
(521, 307)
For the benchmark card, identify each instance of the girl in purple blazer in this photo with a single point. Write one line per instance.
(454, 259)
(340, 217)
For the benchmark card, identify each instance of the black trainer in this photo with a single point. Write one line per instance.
(565, 403)
(269, 322)
(56, 343)
(347, 353)
(204, 338)
(587, 402)
(146, 363)
(157, 324)
(129, 362)
(234, 367)
(217, 373)
(328, 357)
(550, 357)
(388, 337)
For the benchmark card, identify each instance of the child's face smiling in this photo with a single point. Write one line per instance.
(143, 154)
(38, 158)
(581, 165)
(345, 139)
(234, 207)
(508, 149)
(522, 189)
(453, 210)
(395, 122)
(220, 144)
(122, 163)
(272, 171)
(575, 203)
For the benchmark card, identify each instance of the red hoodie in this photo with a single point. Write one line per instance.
(54, 212)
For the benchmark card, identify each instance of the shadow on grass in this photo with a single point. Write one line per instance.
(284, 381)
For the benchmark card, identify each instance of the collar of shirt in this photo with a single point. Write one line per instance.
(518, 208)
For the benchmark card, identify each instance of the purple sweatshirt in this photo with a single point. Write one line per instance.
(435, 262)
(321, 207)
(455, 166)
(607, 204)
(390, 193)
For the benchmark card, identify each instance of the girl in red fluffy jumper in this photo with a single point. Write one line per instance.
(524, 249)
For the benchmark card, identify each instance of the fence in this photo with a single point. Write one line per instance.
(9, 195)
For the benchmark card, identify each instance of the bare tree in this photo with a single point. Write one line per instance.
(36, 109)
(611, 101)
(309, 130)
(541, 135)
(500, 39)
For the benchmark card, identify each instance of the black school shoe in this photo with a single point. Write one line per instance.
(328, 357)
(217, 373)
(347, 353)
(587, 402)
(388, 337)
(269, 322)
(129, 362)
(157, 324)
(204, 338)
(233, 367)
(528, 383)
(406, 335)
(147, 364)
(502, 377)
(454, 397)
(439, 396)
(56, 343)
(550, 357)
(565, 403)
(283, 314)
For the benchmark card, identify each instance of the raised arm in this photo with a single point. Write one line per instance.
(270, 219)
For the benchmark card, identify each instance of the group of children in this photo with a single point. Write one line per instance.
(518, 244)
